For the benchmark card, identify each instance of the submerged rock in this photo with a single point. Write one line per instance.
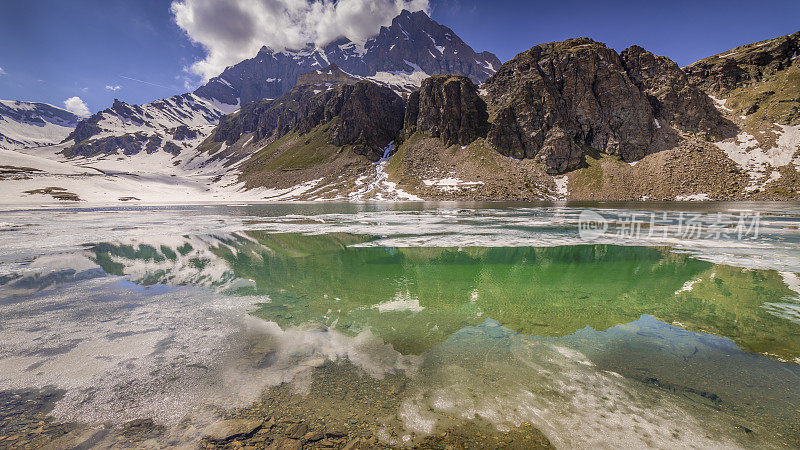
(297, 430)
(228, 430)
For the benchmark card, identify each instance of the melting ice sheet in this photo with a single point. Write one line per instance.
(500, 313)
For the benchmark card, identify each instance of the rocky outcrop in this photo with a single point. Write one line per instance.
(674, 99)
(127, 144)
(362, 114)
(371, 117)
(447, 107)
(558, 101)
(412, 43)
(182, 133)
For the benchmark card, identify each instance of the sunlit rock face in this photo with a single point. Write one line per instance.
(559, 101)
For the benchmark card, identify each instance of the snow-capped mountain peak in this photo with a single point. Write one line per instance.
(413, 47)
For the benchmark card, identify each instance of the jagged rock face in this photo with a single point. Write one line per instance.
(365, 115)
(743, 65)
(31, 124)
(558, 101)
(447, 107)
(674, 99)
(413, 43)
(267, 76)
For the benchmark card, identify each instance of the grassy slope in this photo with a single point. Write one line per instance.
(297, 158)
(777, 98)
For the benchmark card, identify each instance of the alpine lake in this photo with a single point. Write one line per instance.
(377, 325)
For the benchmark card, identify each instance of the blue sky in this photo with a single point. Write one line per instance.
(53, 50)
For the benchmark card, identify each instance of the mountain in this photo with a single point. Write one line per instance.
(173, 125)
(30, 124)
(326, 131)
(413, 47)
(399, 57)
(572, 119)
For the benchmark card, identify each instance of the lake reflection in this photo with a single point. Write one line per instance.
(596, 345)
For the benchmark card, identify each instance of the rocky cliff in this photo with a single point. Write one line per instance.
(362, 114)
(447, 107)
(558, 101)
(673, 97)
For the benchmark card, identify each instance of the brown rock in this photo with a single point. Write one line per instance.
(297, 430)
(313, 436)
(557, 101)
(82, 438)
(228, 430)
(285, 443)
(336, 429)
(355, 444)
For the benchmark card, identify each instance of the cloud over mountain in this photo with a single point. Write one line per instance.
(76, 106)
(235, 30)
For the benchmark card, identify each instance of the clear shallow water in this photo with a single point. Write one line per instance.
(501, 314)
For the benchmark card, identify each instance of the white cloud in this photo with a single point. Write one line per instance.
(234, 30)
(112, 88)
(76, 106)
(2, 72)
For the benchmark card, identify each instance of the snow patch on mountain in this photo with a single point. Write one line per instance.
(30, 124)
(746, 151)
(48, 177)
